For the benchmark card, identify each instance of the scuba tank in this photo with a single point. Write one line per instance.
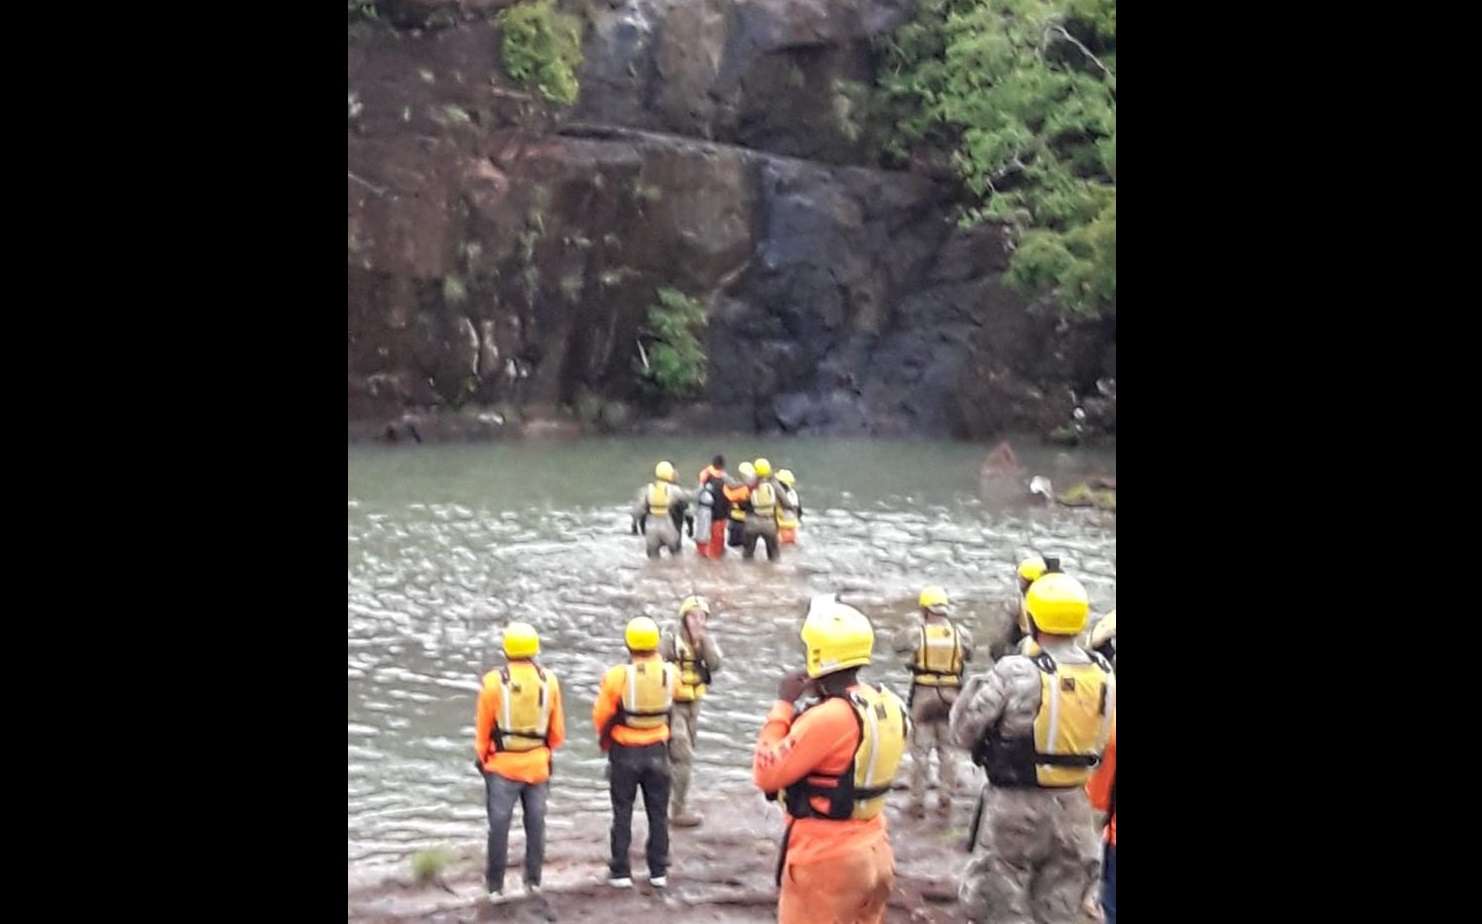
(702, 516)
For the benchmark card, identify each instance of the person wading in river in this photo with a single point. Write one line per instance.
(518, 724)
(938, 651)
(692, 649)
(711, 543)
(631, 715)
(833, 765)
(651, 511)
(761, 517)
(736, 494)
(1038, 724)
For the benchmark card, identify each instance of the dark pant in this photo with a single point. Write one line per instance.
(1109, 884)
(632, 769)
(502, 793)
(748, 547)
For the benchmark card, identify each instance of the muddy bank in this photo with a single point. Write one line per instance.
(721, 872)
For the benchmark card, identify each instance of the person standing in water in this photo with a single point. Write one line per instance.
(690, 647)
(761, 516)
(651, 511)
(711, 543)
(789, 508)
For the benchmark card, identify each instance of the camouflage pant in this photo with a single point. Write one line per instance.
(683, 729)
(929, 732)
(659, 532)
(1037, 854)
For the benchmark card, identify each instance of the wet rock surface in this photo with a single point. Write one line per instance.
(503, 257)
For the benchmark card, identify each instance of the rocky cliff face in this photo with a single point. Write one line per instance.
(501, 264)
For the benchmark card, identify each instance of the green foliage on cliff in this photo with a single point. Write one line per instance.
(674, 359)
(1023, 92)
(541, 48)
(361, 10)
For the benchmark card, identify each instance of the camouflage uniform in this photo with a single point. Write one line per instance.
(1038, 848)
(660, 532)
(930, 707)
(684, 721)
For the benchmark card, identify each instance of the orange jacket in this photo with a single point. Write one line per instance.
(1099, 787)
(823, 740)
(533, 766)
(709, 472)
(610, 700)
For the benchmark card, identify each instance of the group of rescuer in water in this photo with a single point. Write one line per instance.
(760, 505)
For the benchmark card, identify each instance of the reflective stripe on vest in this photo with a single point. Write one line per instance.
(691, 682)
(938, 661)
(648, 695)
(525, 697)
(859, 792)
(763, 498)
(1071, 729)
(658, 499)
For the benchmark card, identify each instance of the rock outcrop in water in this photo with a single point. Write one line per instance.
(501, 263)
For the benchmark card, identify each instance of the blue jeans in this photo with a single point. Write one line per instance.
(1109, 884)
(502, 794)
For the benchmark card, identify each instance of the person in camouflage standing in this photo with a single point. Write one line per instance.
(1038, 723)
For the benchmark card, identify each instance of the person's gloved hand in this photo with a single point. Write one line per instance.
(790, 688)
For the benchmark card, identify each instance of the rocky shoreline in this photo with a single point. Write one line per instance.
(502, 261)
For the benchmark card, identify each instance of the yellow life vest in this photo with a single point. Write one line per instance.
(693, 674)
(525, 697)
(1077, 705)
(648, 694)
(787, 514)
(938, 661)
(859, 792)
(658, 499)
(763, 498)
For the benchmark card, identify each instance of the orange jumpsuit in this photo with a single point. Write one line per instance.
(1098, 788)
(837, 872)
(713, 545)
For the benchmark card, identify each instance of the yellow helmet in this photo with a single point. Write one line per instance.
(642, 634)
(784, 475)
(1058, 604)
(520, 640)
(1104, 630)
(747, 471)
(837, 636)
(1031, 569)
(664, 471)
(763, 468)
(934, 598)
(694, 603)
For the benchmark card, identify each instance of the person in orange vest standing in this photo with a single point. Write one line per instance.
(711, 502)
(518, 724)
(833, 765)
(1102, 790)
(631, 715)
